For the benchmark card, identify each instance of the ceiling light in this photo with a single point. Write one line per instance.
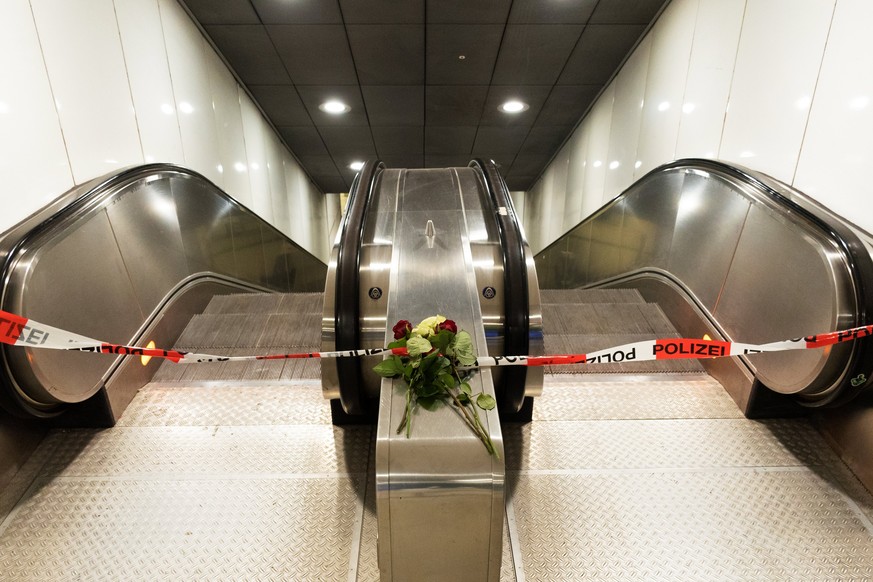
(334, 107)
(514, 106)
(356, 166)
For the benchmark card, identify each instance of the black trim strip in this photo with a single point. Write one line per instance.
(347, 308)
(516, 318)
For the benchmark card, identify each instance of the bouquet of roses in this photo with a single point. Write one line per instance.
(435, 353)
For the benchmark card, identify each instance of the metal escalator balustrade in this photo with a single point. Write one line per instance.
(737, 255)
(127, 257)
(358, 283)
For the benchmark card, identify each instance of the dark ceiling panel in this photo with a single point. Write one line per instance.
(549, 12)
(250, 52)
(533, 95)
(394, 105)
(499, 141)
(298, 11)
(319, 165)
(383, 11)
(313, 96)
(282, 104)
(388, 54)
(342, 142)
(449, 105)
(332, 184)
(626, 11)
(478, 43)
(304, 140)
(396, 141)
(225, 12)
(544, 140)
(449, 140)
(468, 11)
(315, 54)
(534, 54)
(413, 100)
(566, 104)
(600, 51)
(528, 165)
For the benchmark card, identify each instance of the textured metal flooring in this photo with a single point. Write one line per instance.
(617, 478)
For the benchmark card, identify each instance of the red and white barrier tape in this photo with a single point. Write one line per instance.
(20, 331)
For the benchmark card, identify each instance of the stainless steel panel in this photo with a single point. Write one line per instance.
(274, 250)
(792, 305)
(604, 254)
(248, 249)
(144, 221)
(441, 485)
(710, 219)
(649, 222)
(204, 221)
(106, 265)
(77, 282)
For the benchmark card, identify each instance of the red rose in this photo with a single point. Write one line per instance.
(449, 325)
(401, 329)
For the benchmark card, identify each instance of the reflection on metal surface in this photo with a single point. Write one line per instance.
(760, 266)
(440, 484)
(104, 259)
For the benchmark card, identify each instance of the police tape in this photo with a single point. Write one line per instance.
(20, 331)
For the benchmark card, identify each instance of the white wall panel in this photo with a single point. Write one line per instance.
(838, 149)
(34, 168)
(253, 128)
(780, 52)
(83, 56)
(189, 71)
(627, 110)
(276, 171)
(229, 129)
(600, 120)
(578, 148)
(142, 38)
(713, 53)
(665, 86)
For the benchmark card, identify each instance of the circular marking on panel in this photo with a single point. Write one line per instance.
(489, 292)
(375, 293)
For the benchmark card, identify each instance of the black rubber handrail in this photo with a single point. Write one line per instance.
(516, 302)
(347, 308)
(77, 202)
(855, 253)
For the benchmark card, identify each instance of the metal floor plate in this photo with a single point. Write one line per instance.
(617, 478)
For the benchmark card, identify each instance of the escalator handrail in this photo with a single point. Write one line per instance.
(843, 236)
(515, 285)
(68, 208)
(347, 307)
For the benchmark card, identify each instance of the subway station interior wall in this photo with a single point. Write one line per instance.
(90, 86)
(784, 87)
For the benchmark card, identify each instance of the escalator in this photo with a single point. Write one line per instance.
(240, 470)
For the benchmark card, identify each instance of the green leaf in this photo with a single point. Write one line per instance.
(390, 367)
(465, 388)
(442, 340)
(464, 398)
(485, 401)
(463, 348)
(401, 343)
(431, 403)
(418, 346)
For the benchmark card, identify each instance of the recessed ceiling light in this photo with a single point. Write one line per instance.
(514, 106)
(356, 166)
(335, 107)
